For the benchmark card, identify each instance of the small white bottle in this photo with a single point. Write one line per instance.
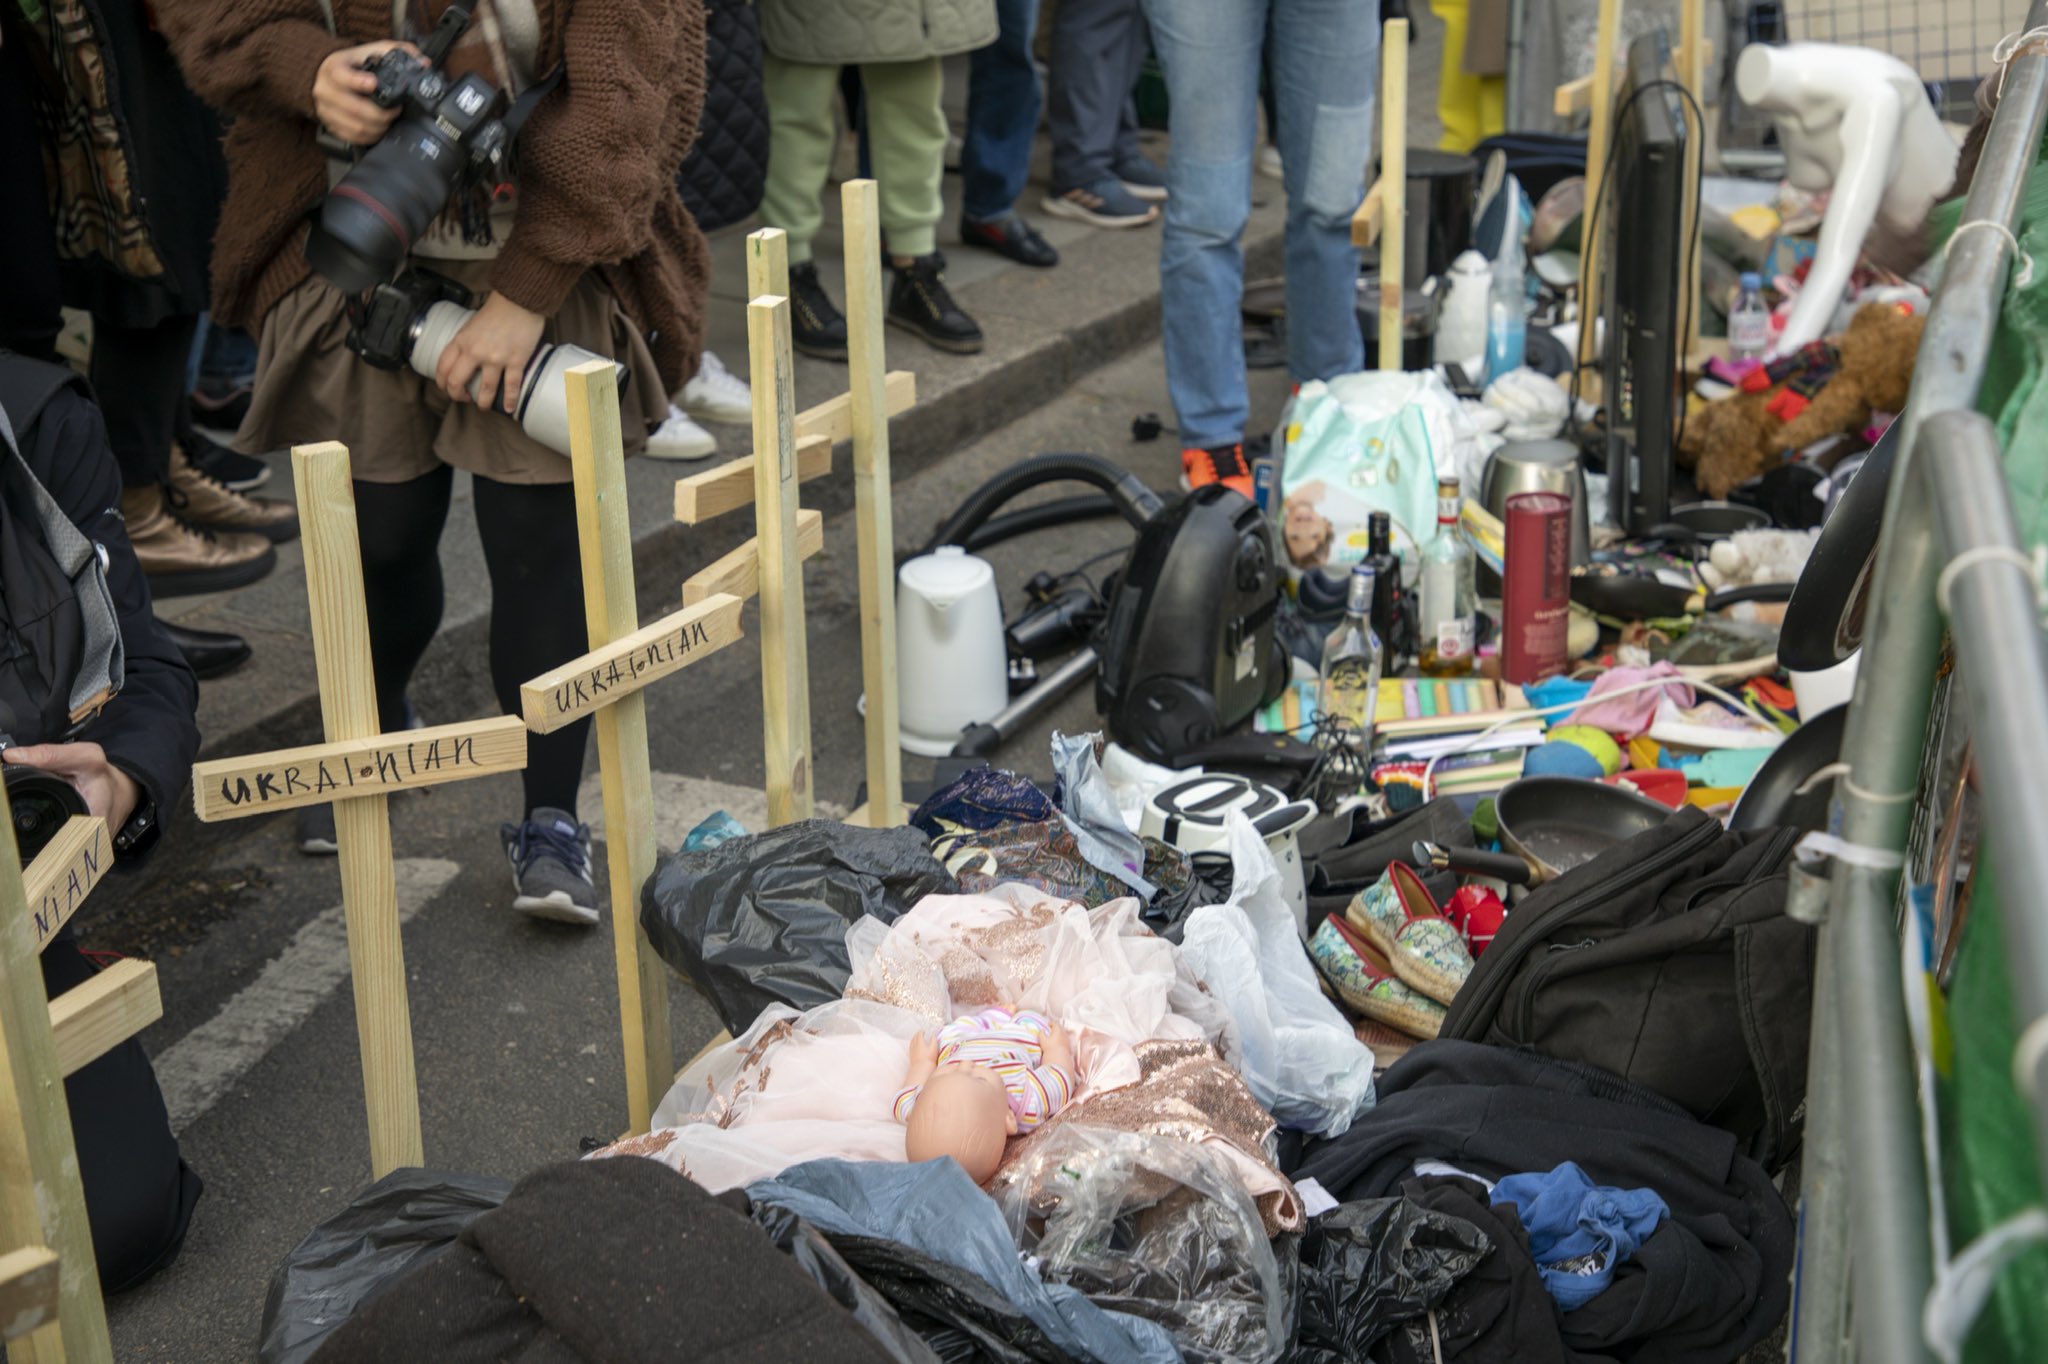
(1749, 321)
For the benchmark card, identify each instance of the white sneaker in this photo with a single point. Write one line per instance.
(1269, 162)
(716, 394)
(680, 438)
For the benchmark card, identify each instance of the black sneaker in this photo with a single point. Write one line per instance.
(1009, 236)
(918, 302)
(816, 326)
(238, 471)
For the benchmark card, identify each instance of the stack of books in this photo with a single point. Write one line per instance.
(1419, 718)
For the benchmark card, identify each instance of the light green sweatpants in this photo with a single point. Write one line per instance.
(906, 145)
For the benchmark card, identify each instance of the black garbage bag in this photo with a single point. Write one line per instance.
(814, 1255)
(391, 1227)
(1366, 1267)
(960, 1314)
(762, 920)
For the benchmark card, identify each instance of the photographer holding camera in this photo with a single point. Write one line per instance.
(97, 714)
(520, 152)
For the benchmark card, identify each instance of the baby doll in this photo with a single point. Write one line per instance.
(985, 1077)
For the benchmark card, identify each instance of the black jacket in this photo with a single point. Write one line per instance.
(149, 730)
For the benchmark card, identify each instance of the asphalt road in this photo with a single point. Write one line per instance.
(515, 1022)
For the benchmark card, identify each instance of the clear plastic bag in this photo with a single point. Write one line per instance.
(1298, 1054)
(1156, 1228)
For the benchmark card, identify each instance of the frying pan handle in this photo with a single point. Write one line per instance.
(1729, 596)
(1500, 866)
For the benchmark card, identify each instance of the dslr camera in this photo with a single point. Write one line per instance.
(40, 802)
(447, 140)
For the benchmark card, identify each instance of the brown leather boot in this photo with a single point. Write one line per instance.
(181, 560)
(196, 497)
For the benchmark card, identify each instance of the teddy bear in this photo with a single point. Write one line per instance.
(1819, 391)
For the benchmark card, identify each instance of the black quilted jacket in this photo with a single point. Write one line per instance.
(721, 178)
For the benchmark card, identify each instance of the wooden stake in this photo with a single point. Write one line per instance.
(1393, 186)
(288, 778)
(597, 454)
(768, 273)
(730, 486)
(1607, 36)
(1692, 69)
(42, 1202)
(785, 661)
(29, 1285)
(95, 1016)
(585, 686)
(369, 889)
(873, 524)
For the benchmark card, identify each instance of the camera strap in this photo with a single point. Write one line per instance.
(102, 659)
(522, 108)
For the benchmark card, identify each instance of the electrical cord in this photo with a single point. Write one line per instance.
(1592, 232)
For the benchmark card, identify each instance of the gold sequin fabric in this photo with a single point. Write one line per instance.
(1186, 1092)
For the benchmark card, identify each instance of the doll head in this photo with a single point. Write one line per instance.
(962, 1112)
(1308, 533)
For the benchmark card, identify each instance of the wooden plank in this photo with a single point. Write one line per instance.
(785, 658)
(738, 573)
(42, 1201)
(731, 485)
(1607, 35)
(767, 270)
(1572, 97)
(834, 416)
(605, 536)
(64, 873)
(1693, 54)
(1365, 223)
(1393, 185)
(586, 685)
(263, 783)
(93, 1017)
(874, 525)
(369, 888)
(29, 1280)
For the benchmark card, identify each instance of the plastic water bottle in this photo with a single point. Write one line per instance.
(1749, 323)
(1507, 321)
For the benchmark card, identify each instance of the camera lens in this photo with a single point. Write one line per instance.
(370, 220)
(39, 803)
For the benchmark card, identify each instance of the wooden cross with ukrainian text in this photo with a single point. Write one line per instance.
(624, 658)
(357, 769)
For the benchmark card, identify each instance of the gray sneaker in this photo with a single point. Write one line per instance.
(550, 857)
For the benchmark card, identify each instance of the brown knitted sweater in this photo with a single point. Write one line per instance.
(597, 161)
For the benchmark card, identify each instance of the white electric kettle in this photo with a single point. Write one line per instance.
(952, 670)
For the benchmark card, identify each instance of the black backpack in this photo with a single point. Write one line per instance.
(1667, 960)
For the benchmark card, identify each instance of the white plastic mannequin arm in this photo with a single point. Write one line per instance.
(1869, 138)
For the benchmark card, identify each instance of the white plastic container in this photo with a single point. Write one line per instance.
(951, 667)
(1461, 320)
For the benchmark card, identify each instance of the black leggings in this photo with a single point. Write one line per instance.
(530, 549)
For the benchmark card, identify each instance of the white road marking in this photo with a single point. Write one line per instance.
(682, 803)
(205, 1063)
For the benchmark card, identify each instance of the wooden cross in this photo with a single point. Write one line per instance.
(50, 1305)
(791, 447)
(624, 658)
(357, 769)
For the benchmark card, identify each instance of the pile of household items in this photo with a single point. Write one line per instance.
(1149, 1130)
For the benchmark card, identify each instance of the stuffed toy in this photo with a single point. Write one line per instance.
(1819, 390)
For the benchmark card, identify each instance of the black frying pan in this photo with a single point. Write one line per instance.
(1550, 825)
(1824, 622)
(1772, 796)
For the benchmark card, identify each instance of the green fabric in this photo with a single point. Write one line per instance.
(1989, 1165)
(835, 32)
(906, 144)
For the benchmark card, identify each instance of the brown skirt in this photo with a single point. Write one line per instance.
(397, 425)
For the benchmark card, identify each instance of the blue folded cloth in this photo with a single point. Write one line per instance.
(1578, 1230)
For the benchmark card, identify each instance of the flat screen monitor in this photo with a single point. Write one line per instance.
(1642, 257)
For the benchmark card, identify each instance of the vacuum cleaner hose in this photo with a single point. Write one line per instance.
(1135, 502)
(1041, 516)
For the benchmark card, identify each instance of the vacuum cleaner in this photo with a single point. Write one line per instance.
(1186, 648)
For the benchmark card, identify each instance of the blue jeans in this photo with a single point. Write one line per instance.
(1002, 114)
(1324, 55)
